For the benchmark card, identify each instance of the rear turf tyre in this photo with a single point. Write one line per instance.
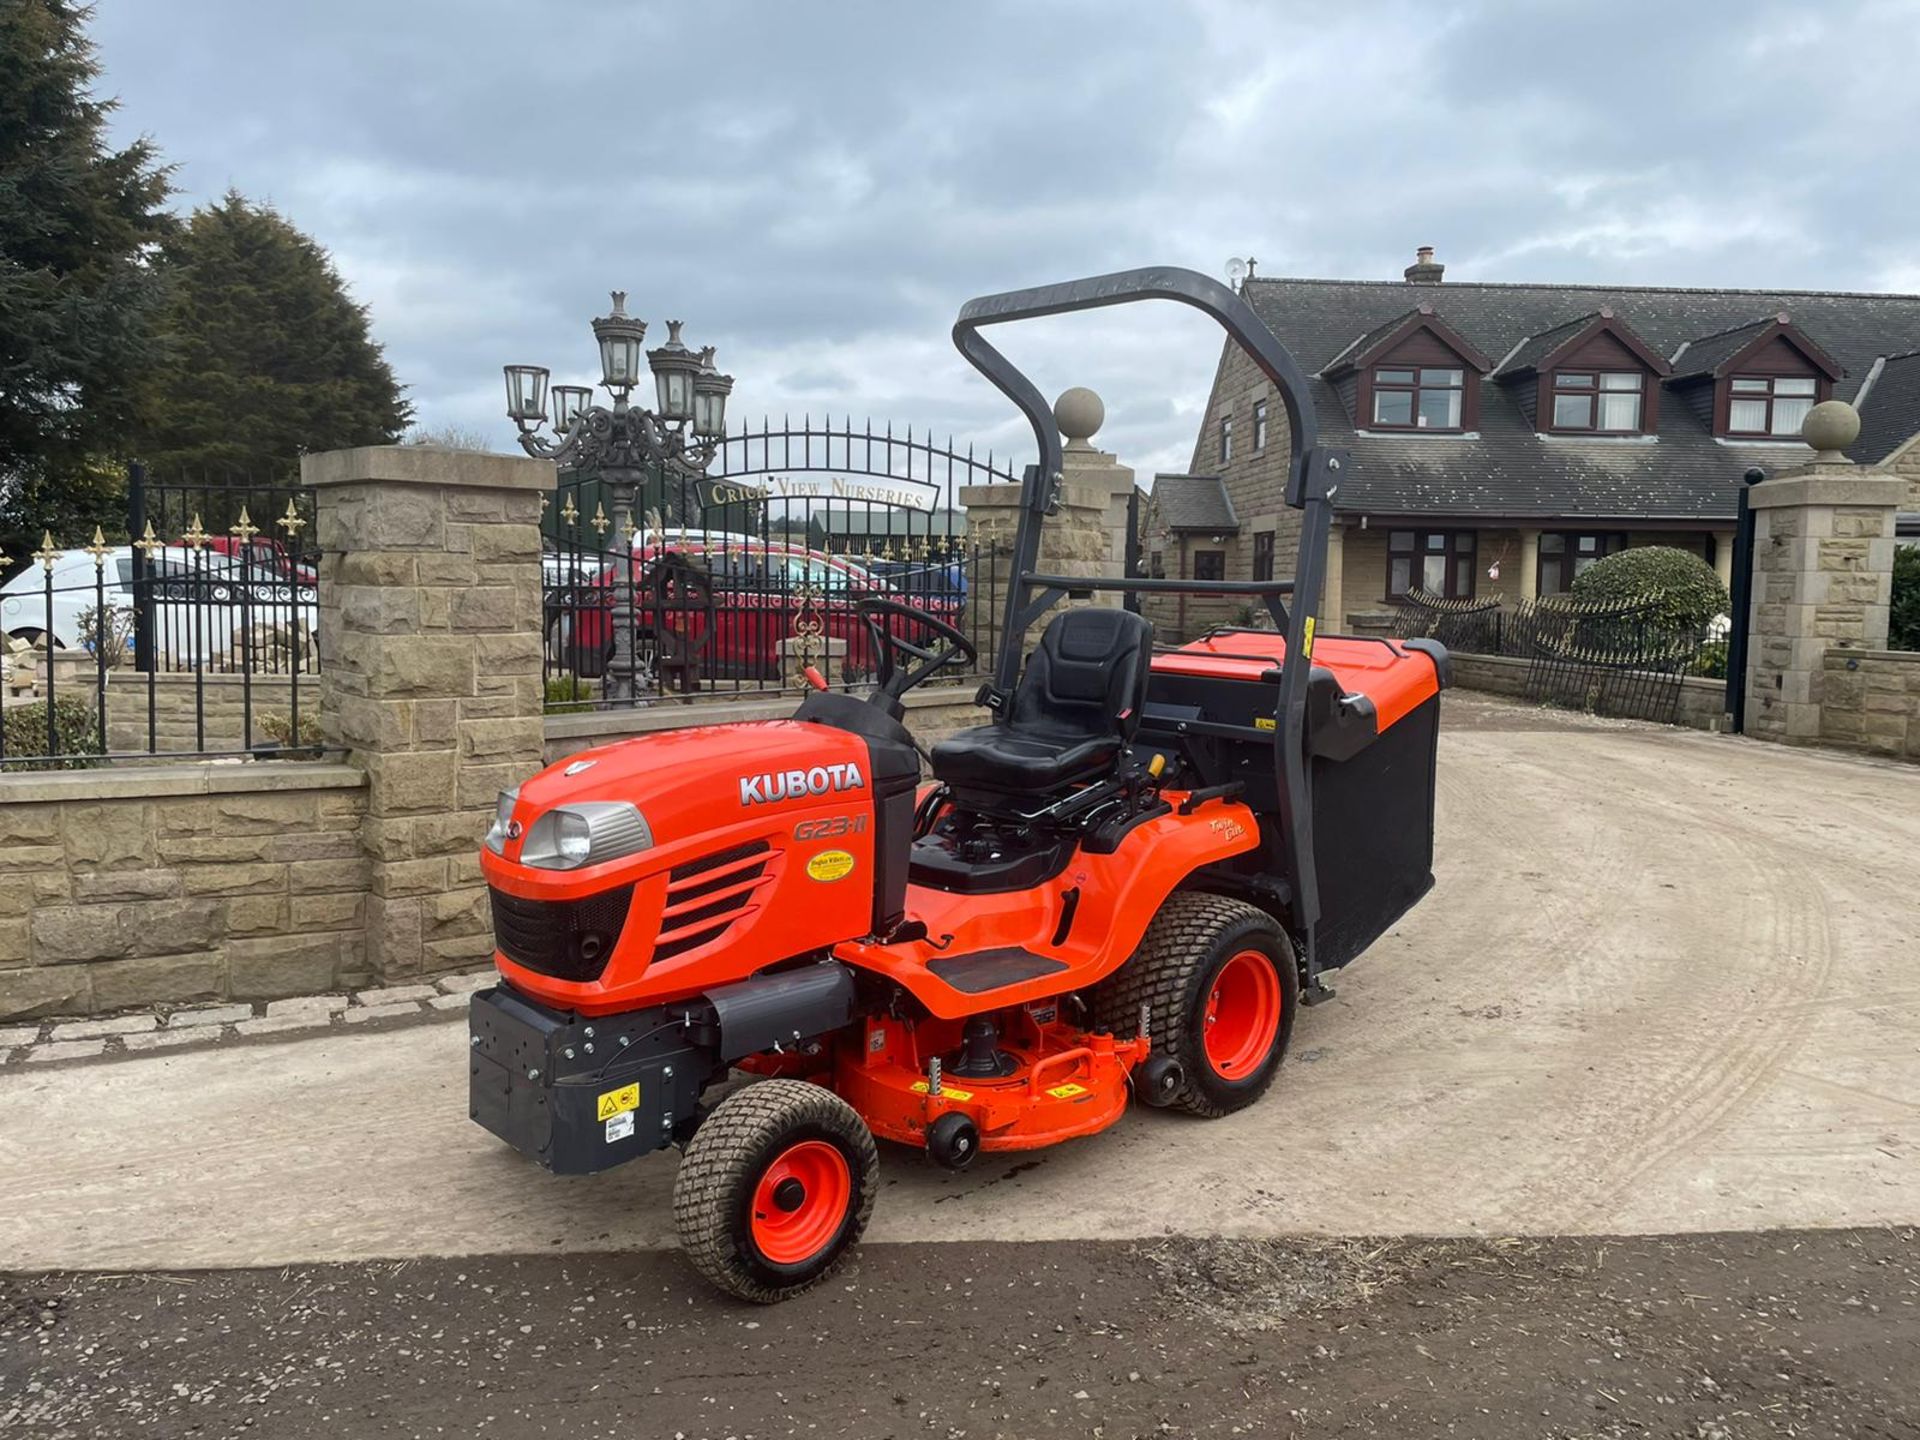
(1222, 983)
(774, 1189)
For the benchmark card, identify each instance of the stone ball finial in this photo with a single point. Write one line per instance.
(1830, 427)
(1079, 413)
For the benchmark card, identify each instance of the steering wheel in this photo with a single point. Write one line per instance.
(894, 680)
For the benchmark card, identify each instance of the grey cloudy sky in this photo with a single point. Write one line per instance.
(816, 188)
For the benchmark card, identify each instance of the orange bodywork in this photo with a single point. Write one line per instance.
(1118, 896)
(1377, 669)
(687, 784)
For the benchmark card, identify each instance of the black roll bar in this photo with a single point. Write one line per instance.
(1312, 478)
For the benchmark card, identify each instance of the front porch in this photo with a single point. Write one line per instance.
(1372, 563)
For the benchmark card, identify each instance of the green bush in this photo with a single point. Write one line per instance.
(277, 727)
(568, 695)
(1682, 588)
(1712, 660)
(1903, 625)
(76, 734)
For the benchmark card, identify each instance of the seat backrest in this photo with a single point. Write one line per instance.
(1087, 676)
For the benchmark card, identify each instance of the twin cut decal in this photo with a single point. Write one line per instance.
(793, 784)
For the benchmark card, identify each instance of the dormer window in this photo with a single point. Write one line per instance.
(1590, 375)
(1772, 405)
(1412, 373)
(1418, 398)
(1606, 402)
(1757, 381)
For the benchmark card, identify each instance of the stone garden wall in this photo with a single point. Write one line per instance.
(1702, 706)
(1870, 700)
(163, 884)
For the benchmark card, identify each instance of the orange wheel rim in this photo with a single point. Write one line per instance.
(1242, 1015)
(800, 1202)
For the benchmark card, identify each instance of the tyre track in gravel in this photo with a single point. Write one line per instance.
(1636, 1113)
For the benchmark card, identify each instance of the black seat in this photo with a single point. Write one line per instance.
(1075, 709)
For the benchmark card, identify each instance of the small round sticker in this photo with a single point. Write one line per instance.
(830, 865)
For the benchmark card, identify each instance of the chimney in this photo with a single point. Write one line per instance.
(1425, 270)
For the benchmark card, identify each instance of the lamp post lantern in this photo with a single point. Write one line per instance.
(624, 442)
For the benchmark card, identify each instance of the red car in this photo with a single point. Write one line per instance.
(724, 603)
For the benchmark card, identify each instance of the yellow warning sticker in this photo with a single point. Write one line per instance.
(830, 865)
(947, 1092)
(1306, 637)
(1265, 722)
(618, 1102)
(1066, 1091)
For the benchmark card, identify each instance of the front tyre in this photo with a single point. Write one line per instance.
(1221, 983)
(775, 1187)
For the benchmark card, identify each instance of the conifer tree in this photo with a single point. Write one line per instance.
(79, 222)
(269, 357)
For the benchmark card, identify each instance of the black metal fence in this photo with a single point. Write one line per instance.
(1611, 657)
(191, 634)
(743, 575)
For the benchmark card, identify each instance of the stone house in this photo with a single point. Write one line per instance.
(1505, 436)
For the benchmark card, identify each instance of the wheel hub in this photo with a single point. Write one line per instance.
(1242, 1015)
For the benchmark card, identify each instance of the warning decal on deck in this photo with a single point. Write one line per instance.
(618, 1102)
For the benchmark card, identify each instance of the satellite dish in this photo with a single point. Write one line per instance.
(1236, 269)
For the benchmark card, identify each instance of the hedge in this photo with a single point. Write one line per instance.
(76, 734)
(1681, 587)
(1903, 624)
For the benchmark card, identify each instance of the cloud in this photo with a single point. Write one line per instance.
(817, 191)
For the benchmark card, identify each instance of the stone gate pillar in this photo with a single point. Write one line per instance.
(429, 636)
(1080, 413)
(1085, 536)
(1822, 575)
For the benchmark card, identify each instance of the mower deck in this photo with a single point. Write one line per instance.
(1059, 1082)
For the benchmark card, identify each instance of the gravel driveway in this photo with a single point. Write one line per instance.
(1667, 982)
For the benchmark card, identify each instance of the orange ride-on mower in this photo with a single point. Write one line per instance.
(1124, 885)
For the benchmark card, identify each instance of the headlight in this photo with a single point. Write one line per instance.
(589, 833)
(496, 836)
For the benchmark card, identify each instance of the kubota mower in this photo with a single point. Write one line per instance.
(1124, 885)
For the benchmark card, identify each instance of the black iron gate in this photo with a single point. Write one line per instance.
(1617, 658)
(749, 571)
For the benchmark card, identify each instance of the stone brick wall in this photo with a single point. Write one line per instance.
(1870, 699)
(430, 610)
(1703, 702)
(1907, 464)
(183, 712)
(1256, 479)
(165, 884)
(1073, 541)
(1822, 582)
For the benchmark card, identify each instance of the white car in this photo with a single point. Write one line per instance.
(200, 600)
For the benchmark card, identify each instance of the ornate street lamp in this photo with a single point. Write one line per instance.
(625, 442)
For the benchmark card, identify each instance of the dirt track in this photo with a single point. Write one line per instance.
(1706, 1337)
(1667, 982)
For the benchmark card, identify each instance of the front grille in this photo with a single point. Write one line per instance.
(705, 897)
(567, 939)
